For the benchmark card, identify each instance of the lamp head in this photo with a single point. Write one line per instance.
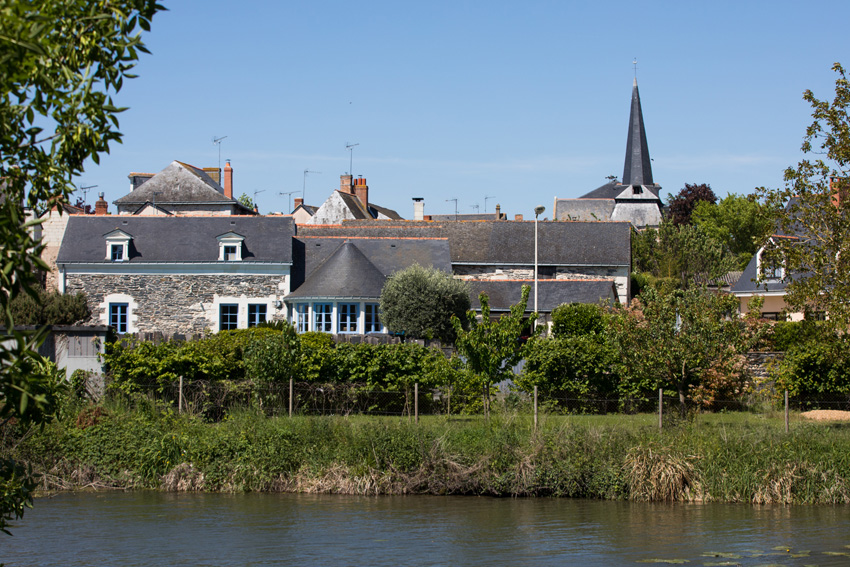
(539, 210)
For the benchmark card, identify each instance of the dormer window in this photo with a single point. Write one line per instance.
(230, 247)
(117, 245)
(771, 267)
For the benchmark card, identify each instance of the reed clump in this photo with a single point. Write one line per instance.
(731, 460)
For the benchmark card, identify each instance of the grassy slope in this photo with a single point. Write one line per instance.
(723, 457)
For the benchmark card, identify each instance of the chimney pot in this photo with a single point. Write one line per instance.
(361, 190)
(498, 211)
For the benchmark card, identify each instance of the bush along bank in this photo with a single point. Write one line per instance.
(147, 448)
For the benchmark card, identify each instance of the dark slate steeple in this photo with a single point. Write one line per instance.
(637, 170)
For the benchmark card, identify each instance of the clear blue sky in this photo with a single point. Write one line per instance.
(522, 102)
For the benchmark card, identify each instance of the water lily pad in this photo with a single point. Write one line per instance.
(834, 553)
(721, 563)
(676, 561)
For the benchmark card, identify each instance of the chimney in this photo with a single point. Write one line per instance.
(361, 190)
(498, 211)
(838, 190)
(418, 208)
(345, 184)
(517, 217)
(228, 180)
(101, 207)
(215, 173)
(298, 202)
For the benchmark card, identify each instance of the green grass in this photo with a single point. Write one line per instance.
(738, 457)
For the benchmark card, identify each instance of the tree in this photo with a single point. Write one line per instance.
(678, 253)
(740, 223)
(492, 347)
(673, 340)
(815, 218)
(578, 319)
(49, 308)
(60, 63)
(419, 303)
(685, 201)
(246, 201)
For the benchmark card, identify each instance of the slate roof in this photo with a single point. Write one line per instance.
(346, 273)
(177, 239)
(179, 183)
(504, 293)
(637, 169)
(746, 284)
(584, 209)
(388, 255)
(389, 213)
(505, 242)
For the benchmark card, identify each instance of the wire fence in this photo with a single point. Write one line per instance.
(214, 399)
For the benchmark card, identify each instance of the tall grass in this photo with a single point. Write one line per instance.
(732, 457)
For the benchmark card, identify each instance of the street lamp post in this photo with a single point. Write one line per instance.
(537, 212)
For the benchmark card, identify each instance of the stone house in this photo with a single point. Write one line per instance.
(349, 202)
(178, 274)
(182, 190)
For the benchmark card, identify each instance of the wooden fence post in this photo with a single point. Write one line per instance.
(416, 400)
(180, 397)
(786, 411)
(660, 407)
(449, 410)
(535, 409)
(291, 380)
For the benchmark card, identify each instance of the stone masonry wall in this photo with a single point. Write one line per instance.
(172, 304)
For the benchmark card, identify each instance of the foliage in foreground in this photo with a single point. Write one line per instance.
(60, 63)
(717, 459)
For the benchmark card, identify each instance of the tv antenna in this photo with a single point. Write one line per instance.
(350, 148)
(487, 198)
(455, 200)
(475, 207)
(304, 187)
(217, 142)
(255, 197)
(288, 194)
(85, 191)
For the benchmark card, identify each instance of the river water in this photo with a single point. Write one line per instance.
(150, 528)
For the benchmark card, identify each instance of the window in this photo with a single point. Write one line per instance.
(116, 252)
(323, 313)
(118, 317)
(348, 317)
(302, 317)
(773, 315)
(230, 247)
(228, 315)
(256, 314)
(373, 319)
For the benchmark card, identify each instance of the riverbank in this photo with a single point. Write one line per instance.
(721, 458)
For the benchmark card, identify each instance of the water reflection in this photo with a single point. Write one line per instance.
(286, 529)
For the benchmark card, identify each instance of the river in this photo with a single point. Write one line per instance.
(151, 528)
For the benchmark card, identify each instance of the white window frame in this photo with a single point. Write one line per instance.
(323, 318)
(351, 314)
(777, 273)
(301, 317)
(118, 238)
(230, 240)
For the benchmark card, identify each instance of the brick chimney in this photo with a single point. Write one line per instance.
(418, 208)
(101, 207)
(228, 180)
(345, 185)
(838, 189)
(361, 190)
(298, 202)
(214, 172)
(517, 217)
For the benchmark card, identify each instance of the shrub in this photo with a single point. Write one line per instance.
(577, 319)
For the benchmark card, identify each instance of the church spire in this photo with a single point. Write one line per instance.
(637, 169)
